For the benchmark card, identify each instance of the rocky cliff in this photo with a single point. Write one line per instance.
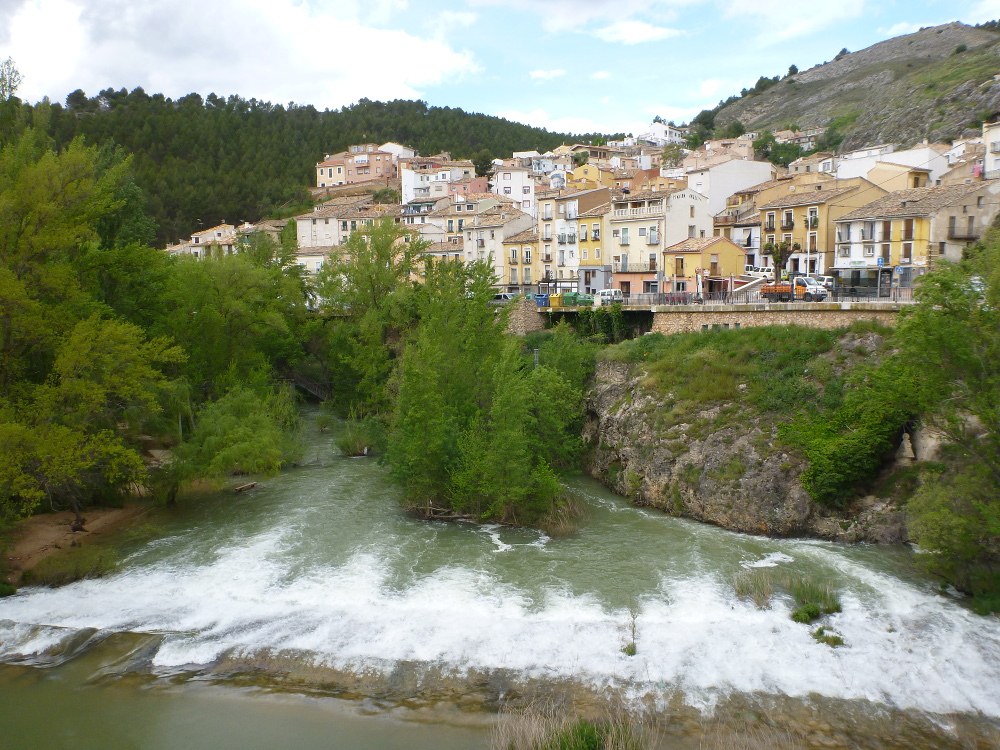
(937, 83)
(722, 465)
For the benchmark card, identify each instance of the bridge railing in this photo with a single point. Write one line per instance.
(754, 296)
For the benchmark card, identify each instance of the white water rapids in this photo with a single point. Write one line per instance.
(323, 564)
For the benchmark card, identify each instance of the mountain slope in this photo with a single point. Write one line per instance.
(936, 83)
(217, 159)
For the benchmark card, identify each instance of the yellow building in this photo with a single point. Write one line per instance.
(521, 262)
(703, 265)
(595, 266)
(902, 235)
(804, 217)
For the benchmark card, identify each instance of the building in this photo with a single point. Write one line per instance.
(900, 236)
(218, 239)
(703, 265)
(360, 163)
(521, 251)
(719, 181)
(321, 227)
(805, 220)
(595, 265)
(430, 176)
(484, 239)
(642, 225)
(516, 184)
(559, 229)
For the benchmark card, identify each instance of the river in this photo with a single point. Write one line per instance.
(314, 604)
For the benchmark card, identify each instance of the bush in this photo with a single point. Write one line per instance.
(807, 613)
(6, 589)
(822, 635)
(355, 440)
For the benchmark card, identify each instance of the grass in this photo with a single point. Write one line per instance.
(750, 738)
(813, 598)
(822, 635)
(548, 728)
(706, 368)
(565, 518)
(6, 589)
(356, 440)
(90, 561)
(756, 583)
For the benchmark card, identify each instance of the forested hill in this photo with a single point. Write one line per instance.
(214, 159)
(936, 83)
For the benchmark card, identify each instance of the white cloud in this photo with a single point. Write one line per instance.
(255, 48)
(600, 75)
(634, 32)
(564, 15)
(542, 119)
(984, 10)
(676, 115)
(781, 20)
(546, 75)
(903, 27)
(712, 86)
(450, 20)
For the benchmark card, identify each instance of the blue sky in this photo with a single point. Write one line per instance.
(569, 65)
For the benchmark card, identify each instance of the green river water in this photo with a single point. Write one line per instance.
(314, 612)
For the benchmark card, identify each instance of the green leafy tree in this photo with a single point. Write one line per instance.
(370, 281)
(10, 79)
(483, 160)
(673, 155)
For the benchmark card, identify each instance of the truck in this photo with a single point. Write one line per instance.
(800, 288)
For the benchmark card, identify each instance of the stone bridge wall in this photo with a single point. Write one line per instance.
(828, 315)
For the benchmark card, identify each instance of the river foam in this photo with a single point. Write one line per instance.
(905, 647)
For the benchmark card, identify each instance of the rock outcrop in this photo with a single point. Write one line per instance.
(722, 465)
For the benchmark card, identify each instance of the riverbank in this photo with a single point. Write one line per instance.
(41, 536)
(693, 426)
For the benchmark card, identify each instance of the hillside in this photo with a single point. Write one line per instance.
(936, 83)
(216, 159)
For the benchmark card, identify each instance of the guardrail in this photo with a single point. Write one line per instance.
(754, 297)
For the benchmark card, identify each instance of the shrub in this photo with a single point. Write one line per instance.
(756, 583)
(807, 613)
(6, 589)
(822, 635)
(355, 440)
(807, 591)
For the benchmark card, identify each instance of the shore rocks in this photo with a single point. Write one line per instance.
(722, 465)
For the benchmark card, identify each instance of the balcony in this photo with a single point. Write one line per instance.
(962, 234)
(769, 227)
(620, 266)
(571, 238)
(867, 236)
(788, 224)
(480, 243)
(596, 236)
(813, 222)
(723, 219)
(653, 238)
(624, 213)
(623, 240)
(547, 258)
(562, 239)
(652, 264)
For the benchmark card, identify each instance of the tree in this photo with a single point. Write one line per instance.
(370, 282)
(673, 155)
(781, 254)
(793, 69)
(733, 130)
(483, 161)
(10, 79)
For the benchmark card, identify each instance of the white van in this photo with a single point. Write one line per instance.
(608, 297)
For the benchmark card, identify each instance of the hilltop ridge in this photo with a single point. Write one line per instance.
(937, 83)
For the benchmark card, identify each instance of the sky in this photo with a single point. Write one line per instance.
(567, 65)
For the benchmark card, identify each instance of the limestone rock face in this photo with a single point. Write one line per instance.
(721, 466)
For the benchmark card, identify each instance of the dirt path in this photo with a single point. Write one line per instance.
(38, 537)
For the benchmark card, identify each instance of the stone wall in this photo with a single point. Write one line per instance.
(524, 317)
(829, 315)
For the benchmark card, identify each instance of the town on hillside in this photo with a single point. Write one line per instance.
(650, 219)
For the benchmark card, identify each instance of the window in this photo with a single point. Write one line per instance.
(907, 253)
(469, 207)
(869, 251)
(526, 190)
(506, 191)
(681, 286)
(460, 223)
(513, 255)
(527, 255)
(584, 255)
(642, 231)
(451, 225)
(506, 175)
(597, 252)
(459, 207)
(527, 275)
(692, 212)
(979, 201)
(692, 230)
(513, 276)
(678, 266)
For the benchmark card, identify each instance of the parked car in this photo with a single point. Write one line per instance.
(502, 298)
(800, 288)
(827, 281)
(608, 297)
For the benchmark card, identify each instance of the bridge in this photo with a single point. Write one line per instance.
(668, 317)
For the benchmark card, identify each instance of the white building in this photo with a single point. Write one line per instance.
(718, 182)
(517, 185)
(929, 156)
(661, 134)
